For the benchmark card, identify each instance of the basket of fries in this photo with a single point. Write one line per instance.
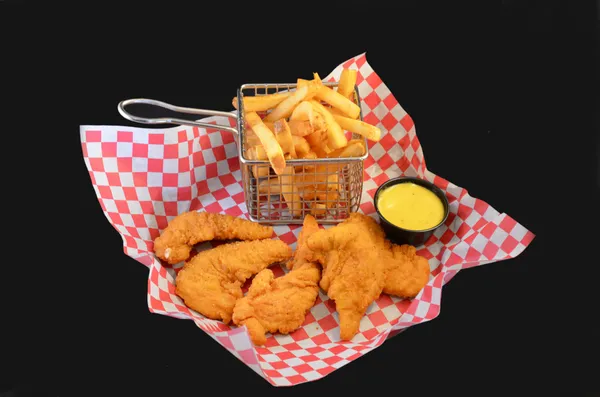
(301, 147)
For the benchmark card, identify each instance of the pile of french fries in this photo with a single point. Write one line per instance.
(306, 123)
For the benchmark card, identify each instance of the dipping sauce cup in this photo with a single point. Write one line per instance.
(410, 209)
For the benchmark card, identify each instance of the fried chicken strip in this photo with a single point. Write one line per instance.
(353, 272)
(407, 272)
(359, 263)
(190, 228)
(303, 254)
(211, 282)
(280, 304)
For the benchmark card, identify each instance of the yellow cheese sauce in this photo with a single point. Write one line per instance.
(410, 206)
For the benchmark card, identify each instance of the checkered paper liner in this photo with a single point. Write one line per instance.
(145, 177)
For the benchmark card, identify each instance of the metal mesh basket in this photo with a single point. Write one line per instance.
(328, 188)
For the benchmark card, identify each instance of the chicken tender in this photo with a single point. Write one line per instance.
(407, 272)
(211, 282)
(281, 304)
(353, 271)
(278, 304)
(303, 254)
(190, 228)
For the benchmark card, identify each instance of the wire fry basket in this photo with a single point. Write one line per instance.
(327, 188)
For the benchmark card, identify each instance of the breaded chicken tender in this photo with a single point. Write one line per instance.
(407, 272)
(303, 254)
(353, 271)
(281, 304)
(190, 228)
(211, 282)
(278, 304)
(359, 263)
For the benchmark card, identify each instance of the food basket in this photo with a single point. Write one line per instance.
(337, 182)
(143, 178)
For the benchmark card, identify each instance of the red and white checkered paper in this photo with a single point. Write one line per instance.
(145, 177)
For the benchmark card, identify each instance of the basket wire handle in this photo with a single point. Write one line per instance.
(178, 109)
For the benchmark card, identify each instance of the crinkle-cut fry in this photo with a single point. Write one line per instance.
(301, 146)
(355, 148)
(284, 137)
(359, 127)
(261, 103)
(269, 186)
(268, 141)
(286, 107)
(347, 83)
(289, 190)
(335, 135)
(336, 100)
(300, 127)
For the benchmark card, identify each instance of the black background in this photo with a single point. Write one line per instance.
(502, 98)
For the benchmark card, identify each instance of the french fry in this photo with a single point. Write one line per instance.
(335, 136)
(318, 143)
(323, 179)
(355, 148)
(301, 146)
(328, 197)
(269, 186)
(347, 83)
(284, 137)
(260, 171)
(300, 82)
(257, 153)
(270, 125)
(359, 127)
(336, 100)
(308, 156)
(261, 103)
(305, 111)
(286, 107)
(289, 190)
(268, 141)
(257, 171)
(251, 139)
(317, 209)
(326, 177)
(300, 127)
